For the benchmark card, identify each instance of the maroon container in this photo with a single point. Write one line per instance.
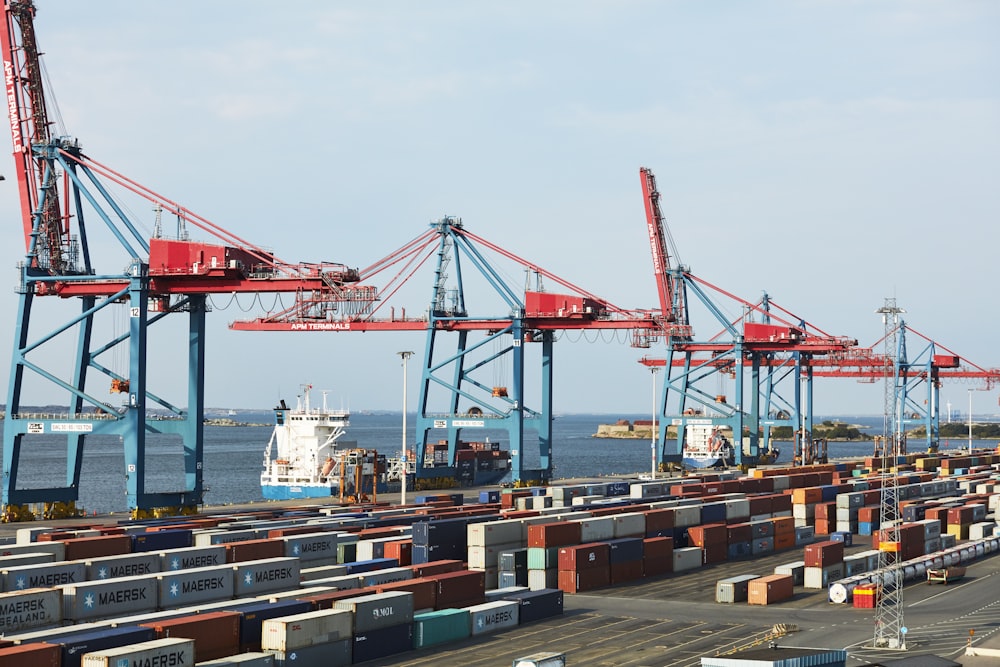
(588, 556)
(739, 532)
(216, 634)
(424, 591)
(240, 552)
(760, 505)
(81, 548)
(35, 654)
(452, 587)
(658, 547)
(554, 534)
(714, 553)
(627, 571)
(654, 566)
(584, 580)
(437, 567)
(710, 534)
(826, 511)
(659, 520)
(822, 554)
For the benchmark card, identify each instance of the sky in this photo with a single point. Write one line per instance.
(828, 153)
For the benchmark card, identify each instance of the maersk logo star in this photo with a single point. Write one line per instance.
(175, 564)
(102, 573)
(174, 590)
(248, 579)
(88, 600)
(21, 583)
(295, 550)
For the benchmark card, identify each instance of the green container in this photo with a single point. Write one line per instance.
(543, 558)
(439, 627)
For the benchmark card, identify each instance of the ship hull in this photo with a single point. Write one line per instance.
(296, 491)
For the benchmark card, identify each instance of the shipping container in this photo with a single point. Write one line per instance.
(174, 652)
(687, 558)
(215, 634)
(37, 558)
(379, 610)
(252, 619)
(129, 565)
(30, 655)
(536, 605)
(184, 588)
(161, 540)
(311, 546)
(192, 557)
(383, 642)
(545, 659)
(74, 647)
(824, 554)
(770, 589)
(796, 570)
(107, 599)
(332, 654)
(439, 627)
(493, 616)
(584, 556)
(577, 581)
(454, 588)
(288, 633)
(820, 577)
(84, 548)
(43, 575)
(256, 577)
(733, 589)
(245, 660)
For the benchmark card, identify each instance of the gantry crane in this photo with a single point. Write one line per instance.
(458, 397)
(61, 189)
(752, 341)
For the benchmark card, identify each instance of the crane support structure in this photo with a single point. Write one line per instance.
(62, 189)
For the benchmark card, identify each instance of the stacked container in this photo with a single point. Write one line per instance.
(383, 624)
(584, 567)
(312, 638)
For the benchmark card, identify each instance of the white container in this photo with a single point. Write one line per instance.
(26, 610)
(480, 558)
(597, 529)
(796, 570)
(539, 579)
(494, 616)
(630, 524)
(172, 651)
(287, 633)
(687, 558)
(820, 577)
(687, 515)
(386, 576)
(490, 533)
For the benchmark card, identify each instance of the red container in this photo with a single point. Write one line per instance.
(652, 567)
(240, 552)
(739, 532)
(826, 511)
(436, 567)
(81, 548)
(824, 527)
(823, 554)
(588, 556)
(402, 551)
(869, 514)
(770, 589)
(711, 534)
(424, 591)
(454, 587)
(958, 516)
(658, 547)
(760, 505)
(781, 502)
(659, 520)
(35, 654)
(784, 541)
(216, 634)
(714, 553)
(584, 580)
(555, 534)
(627, 571)
(783, 525)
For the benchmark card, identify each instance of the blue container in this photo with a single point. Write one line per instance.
(376, 644)
(865, 528)
(625, 550)
(713, 513)
(458, 499)
(680, 536)
(842, 536)
(829, 492)
(515, 578)
(618, 489)
(487, 497)
(74, 647)
(441, 531)
(738, 550)
(359, 566)
(512, 560)
(161, 540)
(537, 605)
(914, 512)
(252, 619)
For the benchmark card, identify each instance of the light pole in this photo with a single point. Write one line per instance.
(402, 495)
(652, 445)
(970, 421)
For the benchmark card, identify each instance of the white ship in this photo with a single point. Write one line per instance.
(300, 460)
(705, 446)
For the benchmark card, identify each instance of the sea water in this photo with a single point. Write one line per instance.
(234, 455)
